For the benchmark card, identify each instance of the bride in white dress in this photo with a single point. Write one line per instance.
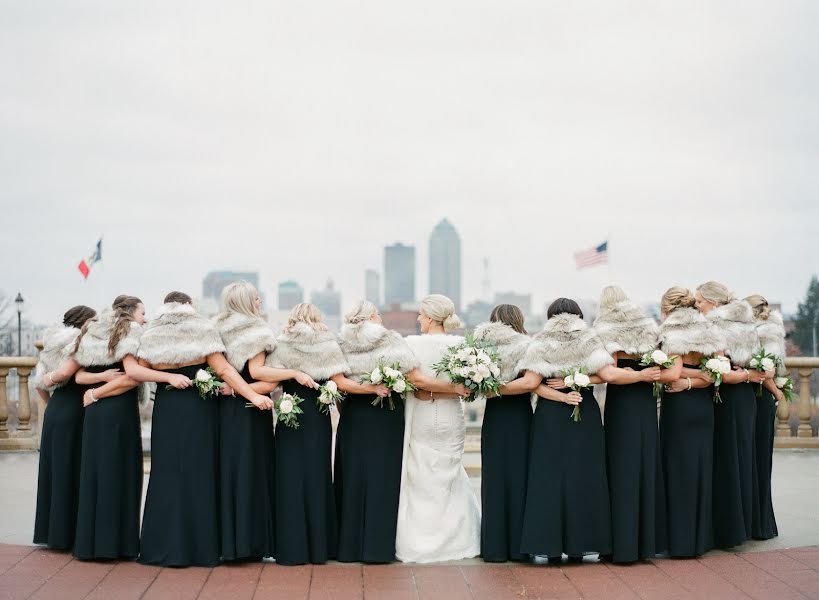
(438, 514)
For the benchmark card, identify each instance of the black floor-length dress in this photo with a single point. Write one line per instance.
(246, 475)
(687, 449)
(306, 528)
(504, 469)
(58, 478)
(110, 477)
(734, 464)
(764, 525)
(180, 526)
(634, 470)
(369, 448)
(567, 495)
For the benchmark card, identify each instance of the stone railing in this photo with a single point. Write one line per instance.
(800, 368)
(22, 437)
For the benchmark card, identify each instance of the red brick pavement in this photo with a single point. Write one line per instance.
(29, 572)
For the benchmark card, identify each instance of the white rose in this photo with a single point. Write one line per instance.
(375, 376)
(286, 407)
(472, 359)
(494, 370)
(725, 366)
(477, 377)
(483, 357)
(713, 364)
(659, 357)
(780, 382)
(568, 381)
(392, 373)
(331, 387)
(463, 354)
(399, 386)
(582, 379)
(767, 364)
(202, 375)
(754, 363)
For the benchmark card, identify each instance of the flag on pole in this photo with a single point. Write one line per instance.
(86, 263)
(598, 255)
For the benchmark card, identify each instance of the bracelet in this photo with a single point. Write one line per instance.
(431, 397)
(689, 383)
(91, 392)
(747, 376)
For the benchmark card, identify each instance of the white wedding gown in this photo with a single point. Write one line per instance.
(438, 514)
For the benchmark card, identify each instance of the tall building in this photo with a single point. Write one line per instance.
(445, 262)
(372, 286)
(522, 301)
(216, 281)
(399, 274)
(327, 300)
(290, 294)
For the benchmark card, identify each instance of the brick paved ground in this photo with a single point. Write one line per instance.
(28, 572)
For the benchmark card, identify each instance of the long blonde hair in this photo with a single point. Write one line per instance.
(441, 309)
(240, 297)
(676, 297)
(760, 305)
(363, 311)
(715, 292)
(305, 313)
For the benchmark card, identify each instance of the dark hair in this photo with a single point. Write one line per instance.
(564, 305)
(508, 314)
(180, 297)
(76, 316)
(124, 308)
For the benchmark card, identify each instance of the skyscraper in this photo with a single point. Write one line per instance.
(372, 286)
(328, 300)
(445, 262)
(290, 294)
(399, 274)
(216, 281)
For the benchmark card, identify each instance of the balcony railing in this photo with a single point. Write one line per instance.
(21, 437)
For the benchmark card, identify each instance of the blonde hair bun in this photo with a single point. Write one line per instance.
(441, 309)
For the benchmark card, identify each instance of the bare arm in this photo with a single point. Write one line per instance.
(682, 384)
(528, 383)
(433, 384)
(229, 375)
(347, 385)
(115, 387)
(62, 374)
(141, 372)
(673, 372)
(260, 372)
(44, 395)
(83, 377)
(544, 391)
(618, 376)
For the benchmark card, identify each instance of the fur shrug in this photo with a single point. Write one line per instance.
(93, 350)
(364, 344)
(566, 342)
(58, 345)
(178, 335)
(685, 330)
(735, 323)
(244, 337)
(771, 334)
(510, 344)
(624, 327)
(316, 353)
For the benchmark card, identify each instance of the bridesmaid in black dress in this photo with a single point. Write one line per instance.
(111, 469)
(687, 427)
(771, 333)
(567, 496)
(58, 479)
(632, 439)
(304, 478)
(180, 525)
(735, 477)
(246, 443)
(504, 442)
(369, 440)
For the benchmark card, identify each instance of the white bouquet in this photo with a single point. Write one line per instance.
(660, 359)
(716, 367)
(328, 396)
(206, 381)
(287, 410)
(390, 377)
(475, 364)
(786, 385)
(762, 361)
(576, 379)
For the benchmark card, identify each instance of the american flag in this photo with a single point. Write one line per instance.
(598, 255)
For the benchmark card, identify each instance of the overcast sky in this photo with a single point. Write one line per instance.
(298, 138)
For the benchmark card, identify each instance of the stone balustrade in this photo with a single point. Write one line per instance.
(23, 437)
(800, 369)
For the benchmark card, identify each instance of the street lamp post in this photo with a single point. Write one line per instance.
(19, 302)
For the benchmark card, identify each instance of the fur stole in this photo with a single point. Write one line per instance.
(244, 337)
(771, 334)
(510, 345)
(566, 342)
(735, 323)
(624, 327)
(364, 344)
(93, 350)
(686, 330)
(178, 335)
(316, 353)
(58, 345)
